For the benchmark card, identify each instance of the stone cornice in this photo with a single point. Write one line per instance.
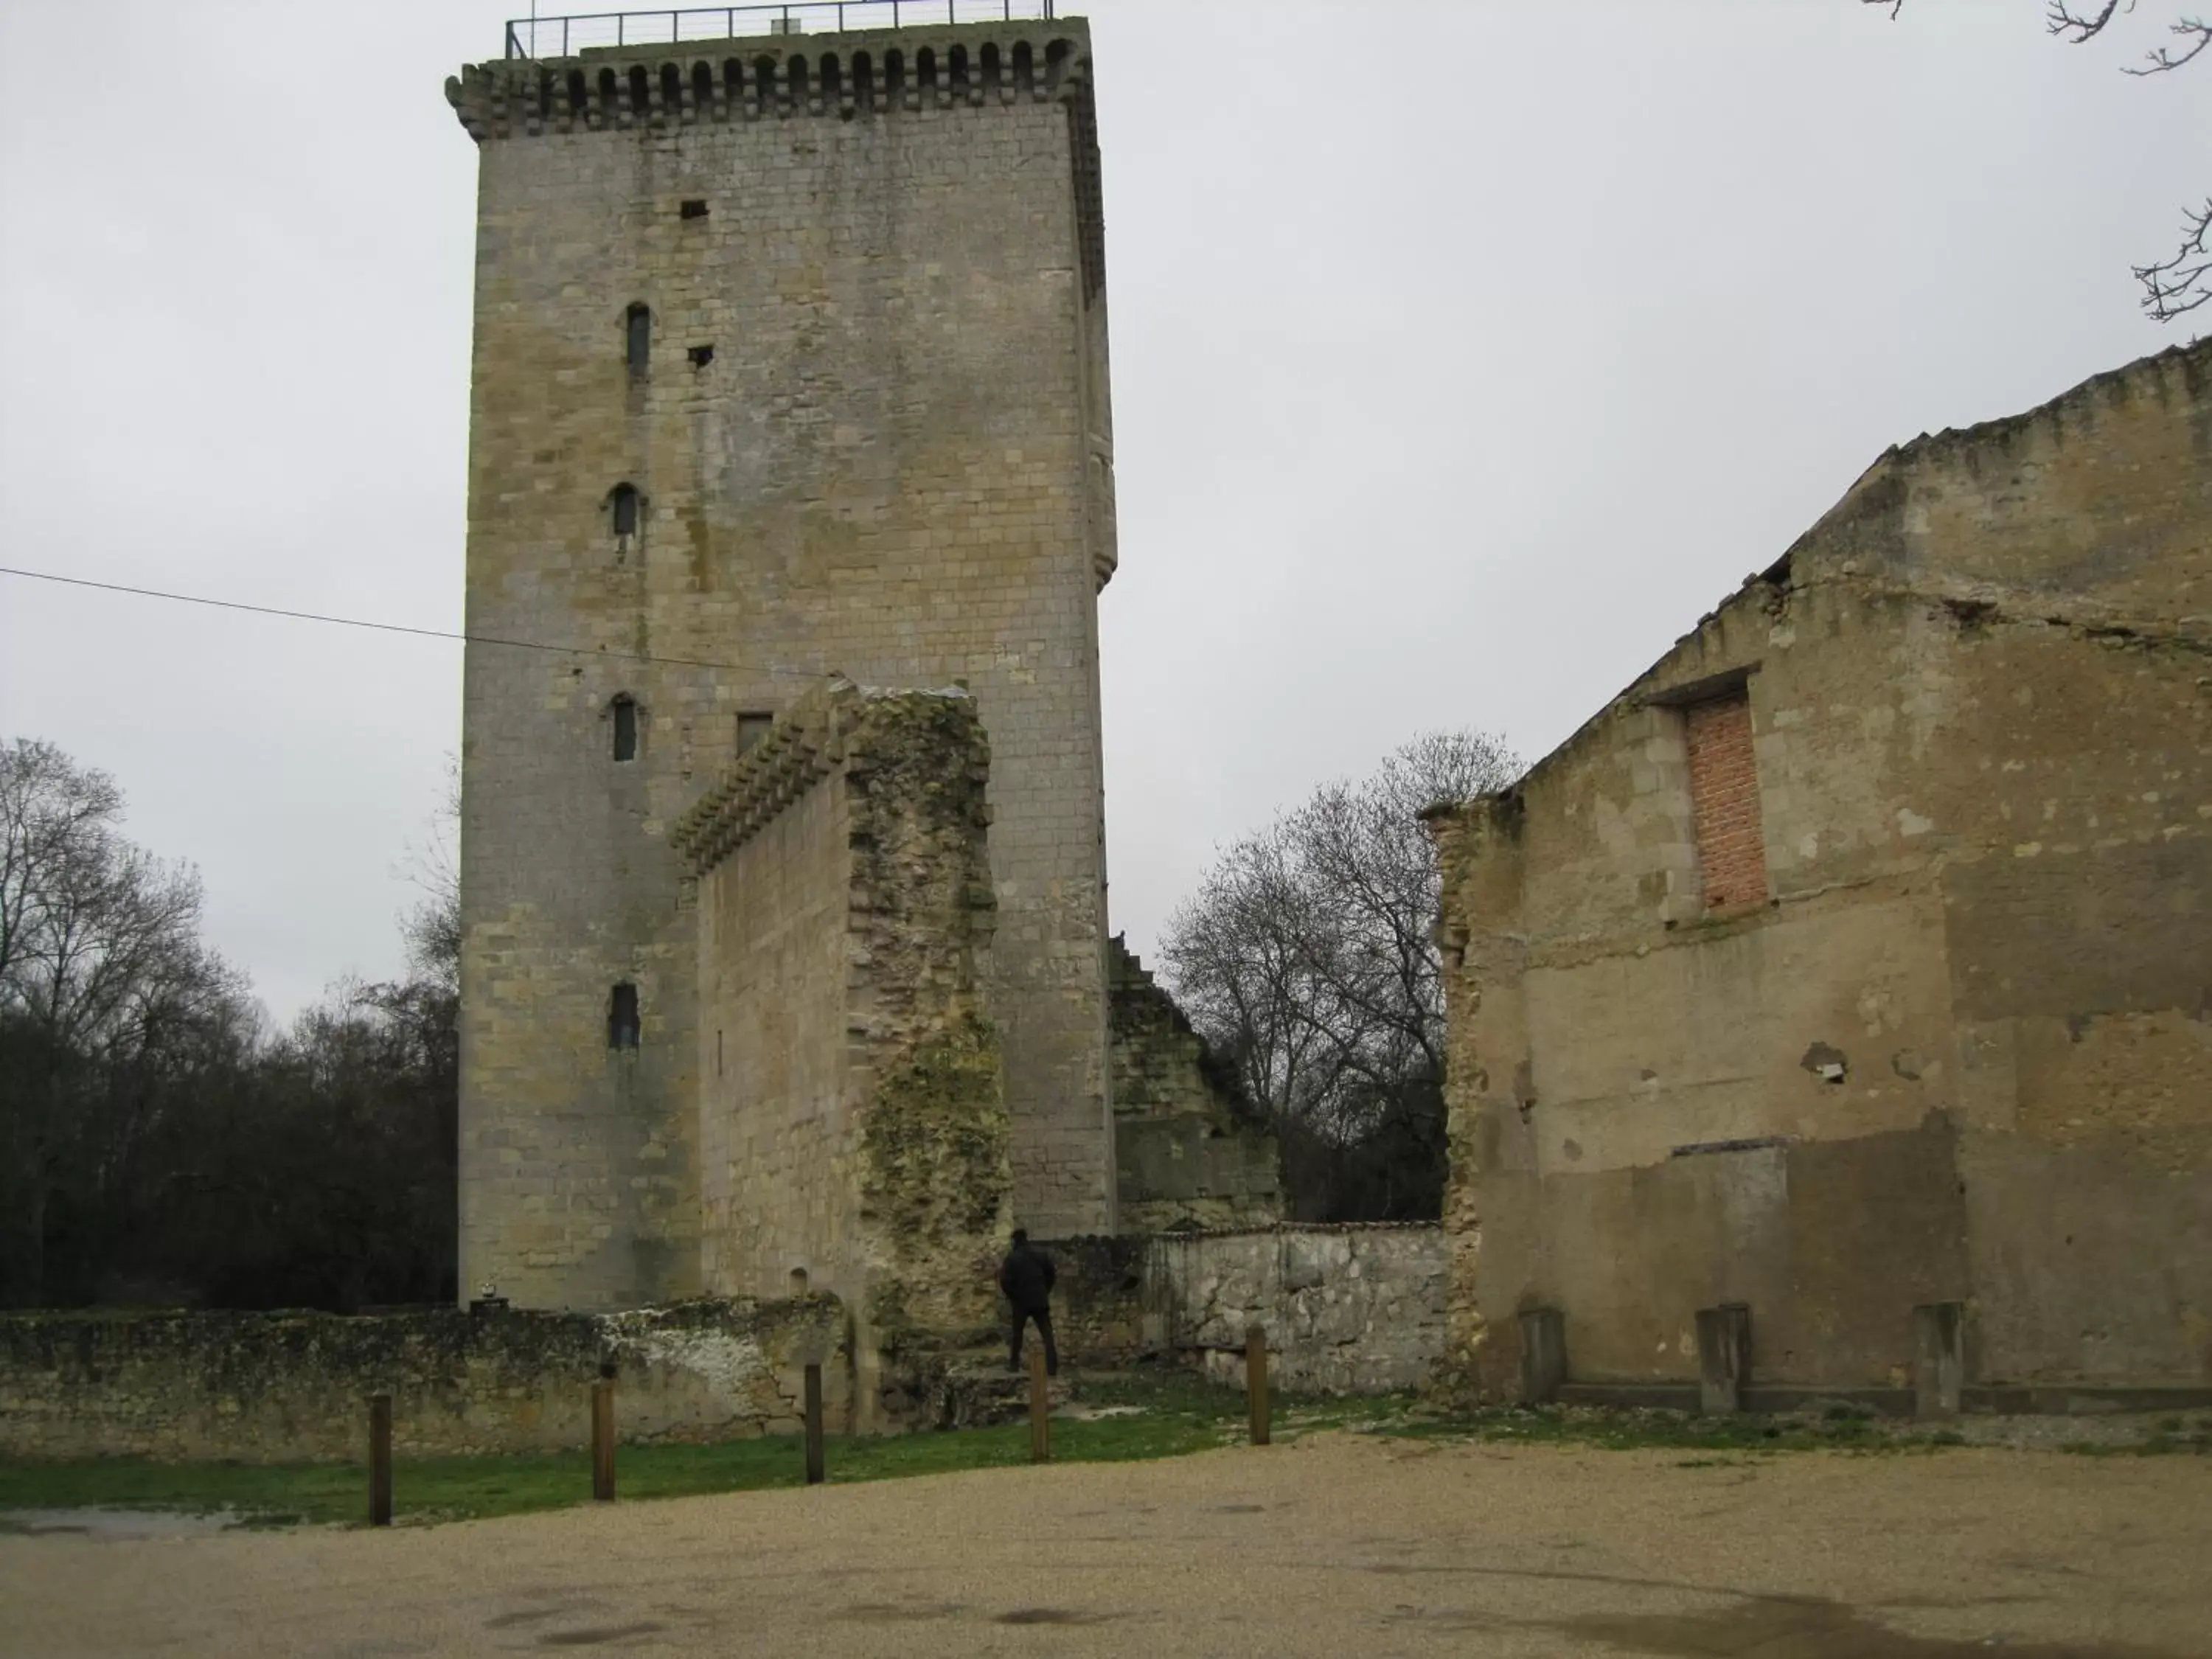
(781, 77)
(799, 750)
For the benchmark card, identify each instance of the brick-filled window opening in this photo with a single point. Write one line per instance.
(1725, 801)
(637, 338)
(622, 1018)
(624, 710)
(752, 727)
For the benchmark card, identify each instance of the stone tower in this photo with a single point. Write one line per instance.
(790, 359)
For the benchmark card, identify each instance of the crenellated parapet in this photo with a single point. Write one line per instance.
(873, 74)
(878, 72)
(800, 749)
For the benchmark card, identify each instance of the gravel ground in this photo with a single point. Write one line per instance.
(1334, 1545)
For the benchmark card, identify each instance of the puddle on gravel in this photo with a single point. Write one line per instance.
(599, 1636)
(1050, 1616)
(116, 1523)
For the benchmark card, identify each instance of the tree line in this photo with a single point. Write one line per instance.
(163, 1145)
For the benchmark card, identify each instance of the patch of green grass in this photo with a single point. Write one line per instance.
(1625, 1429)
(2169, 1439)
(1177, 1415)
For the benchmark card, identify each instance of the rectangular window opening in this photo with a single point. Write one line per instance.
(622, 1018)
(752, 727)
(694, 209)
(625, 729)
(702, 355)
(717, 1053)
(1724, 810)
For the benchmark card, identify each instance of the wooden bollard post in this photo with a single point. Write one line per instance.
(1256, 1381)
(379, 1460)
(1039, 1408)
(814, 1467)
(603, 1441)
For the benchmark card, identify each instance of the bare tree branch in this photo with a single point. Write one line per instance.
(2180, 284)
(2075, 30)
(2193, 30)
(2177, 285)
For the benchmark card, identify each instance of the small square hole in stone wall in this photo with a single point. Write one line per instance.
(702, 355)
(694, 209)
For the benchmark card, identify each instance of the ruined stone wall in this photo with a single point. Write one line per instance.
(869, 433)
(854, 1115)
(295, 1386)
(1347, 1309)
(1189, 1150)
(1949, 1057)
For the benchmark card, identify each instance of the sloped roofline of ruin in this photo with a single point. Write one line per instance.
(1864, 494)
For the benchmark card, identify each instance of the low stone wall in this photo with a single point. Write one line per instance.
(266, 1388)
(1099, 1305)
(1348, 1310)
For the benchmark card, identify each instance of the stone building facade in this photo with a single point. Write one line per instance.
(790, 359)
(1859, 955)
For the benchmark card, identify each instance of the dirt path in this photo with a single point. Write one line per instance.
(1332, 1546)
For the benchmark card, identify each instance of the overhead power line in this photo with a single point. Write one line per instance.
(390, 627)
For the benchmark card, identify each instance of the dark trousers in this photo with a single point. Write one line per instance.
(1041, 1318)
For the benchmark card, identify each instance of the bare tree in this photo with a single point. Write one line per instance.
(99, 950)
(155, 1138)
(433, 928)
(1304, 959)
(2182, 281)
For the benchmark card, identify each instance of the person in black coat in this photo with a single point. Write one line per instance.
(1026, 1276)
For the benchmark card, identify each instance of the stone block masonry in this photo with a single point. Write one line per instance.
(790, 359)
(270, 1388)
(1348, 1309)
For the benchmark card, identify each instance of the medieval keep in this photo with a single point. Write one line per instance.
(785, 960)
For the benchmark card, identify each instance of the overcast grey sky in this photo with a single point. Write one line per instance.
(1464, 353)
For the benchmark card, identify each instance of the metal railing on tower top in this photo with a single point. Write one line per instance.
(564, 37)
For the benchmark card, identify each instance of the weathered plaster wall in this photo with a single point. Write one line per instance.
(1959, 1054)
(284, 1387)
(872, 436)
(1189, 1150)
(855, 1115)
